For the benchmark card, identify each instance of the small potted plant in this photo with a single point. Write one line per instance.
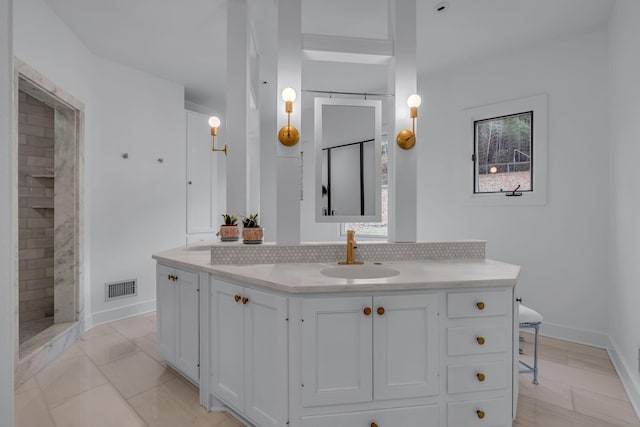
(229, 231)
(252, 233)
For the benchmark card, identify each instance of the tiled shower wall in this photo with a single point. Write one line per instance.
(35, 202)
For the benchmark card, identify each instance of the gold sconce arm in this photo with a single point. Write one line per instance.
(406, 139)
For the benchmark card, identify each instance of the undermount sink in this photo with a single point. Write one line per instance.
(360, 272)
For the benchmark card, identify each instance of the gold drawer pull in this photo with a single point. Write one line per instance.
(480, 376)
(237, 298)
(380, 311)
(480, 414)
(245, 300)
(480, 305)
(374, 425)
(480, 340)
(367, 311)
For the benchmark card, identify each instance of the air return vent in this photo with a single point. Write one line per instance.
(121, 289)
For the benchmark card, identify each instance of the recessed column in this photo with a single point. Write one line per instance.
(403, 163)
(289, 176)
(237, 120)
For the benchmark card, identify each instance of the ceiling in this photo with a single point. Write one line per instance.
(185, 41)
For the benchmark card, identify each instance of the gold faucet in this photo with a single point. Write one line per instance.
(351, 245)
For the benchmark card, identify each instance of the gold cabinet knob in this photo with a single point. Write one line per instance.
(367, 311)
(380, 311)
(480, 376)
(374, 425)
(480, 340)
(480, 414)
(237, 298)
(169, 277)
(245, 300)
(480, 305)
(175, 278)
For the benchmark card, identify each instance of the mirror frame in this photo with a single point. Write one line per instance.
(318, 105)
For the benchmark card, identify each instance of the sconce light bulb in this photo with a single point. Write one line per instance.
(414, 101)
(289, 94)
(214, 122)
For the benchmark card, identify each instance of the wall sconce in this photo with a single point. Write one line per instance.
(214, 122)
(288, 135)
(406, 139)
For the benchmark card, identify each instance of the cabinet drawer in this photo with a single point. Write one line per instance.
(485, 413)
(477, 377)
(477, 340)
(476, 304)
(417, 416)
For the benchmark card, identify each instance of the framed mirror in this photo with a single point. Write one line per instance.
(348, 146)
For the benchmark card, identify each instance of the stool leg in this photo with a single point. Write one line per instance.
(535, 355)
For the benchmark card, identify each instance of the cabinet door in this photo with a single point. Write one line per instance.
(405, 343)
(166, 302)
(417, 416)
(227, 343)
(187, 311)
(265, 355)
(336, 351)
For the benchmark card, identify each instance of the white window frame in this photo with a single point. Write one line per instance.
(537, 104)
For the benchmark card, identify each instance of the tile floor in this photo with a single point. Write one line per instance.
(578, 387)
(31, 328)
(114, 376)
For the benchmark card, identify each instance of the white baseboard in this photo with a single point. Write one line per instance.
(629, 381)
(107, 316)
(580, 336)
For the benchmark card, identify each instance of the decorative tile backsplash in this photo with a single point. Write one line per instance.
(334, 252)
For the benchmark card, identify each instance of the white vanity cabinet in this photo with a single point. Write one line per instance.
(248, 351)
(178, 319)
(360, 349)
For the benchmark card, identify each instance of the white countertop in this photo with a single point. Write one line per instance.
(296, 278)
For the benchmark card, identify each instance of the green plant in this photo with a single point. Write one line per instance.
(251, 222)
(229, 219)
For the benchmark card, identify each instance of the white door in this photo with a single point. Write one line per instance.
(265, 355)
(166, 302)
(201, 189)
(227, 343)
(405, 343)
(336, 351)
(187, 312)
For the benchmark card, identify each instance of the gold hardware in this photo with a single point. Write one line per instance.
(406, 139)
(175, 278)
(367, 311)
(380, 311)
(214, 122)
(169, 277)
(351, 245)
(480, 305)
(237, 298)
(288, 135)
(245, 300)
(480, 414)
(480, 340)
(374, 425)
(480, 376)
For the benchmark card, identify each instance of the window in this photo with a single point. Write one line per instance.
(503, 154)
(374, 229)
(509, 152)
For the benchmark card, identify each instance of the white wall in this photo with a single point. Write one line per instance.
(623, 289)
(137, 205)
(561, 246)
(133, 207)
(7, 206)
